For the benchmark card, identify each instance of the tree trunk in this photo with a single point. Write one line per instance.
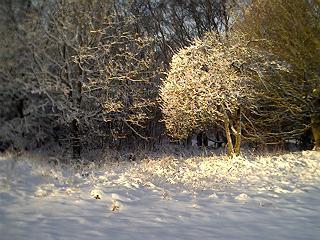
(188, 142)
(238, 134)
(228, 134)
(202, 139)
(199, 139)
(76, 144)
(315, 127)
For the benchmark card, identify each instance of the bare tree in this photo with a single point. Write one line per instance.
(95, 73)
(289, 102)
(174, 24)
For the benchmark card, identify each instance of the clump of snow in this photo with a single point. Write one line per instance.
(96, 193)
(45, 190)
(242, 197)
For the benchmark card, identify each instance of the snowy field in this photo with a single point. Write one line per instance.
(276, 197)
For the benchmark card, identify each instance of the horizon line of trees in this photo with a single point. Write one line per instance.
(117, 74)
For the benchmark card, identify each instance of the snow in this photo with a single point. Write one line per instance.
(267, 197)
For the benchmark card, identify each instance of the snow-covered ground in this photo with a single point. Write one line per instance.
(276, 197)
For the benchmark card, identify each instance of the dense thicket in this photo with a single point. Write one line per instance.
(86, 74)
(13, 58)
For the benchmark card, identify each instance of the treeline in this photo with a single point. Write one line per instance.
(116, 74)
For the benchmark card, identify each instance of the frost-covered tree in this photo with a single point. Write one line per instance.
(215, 83)
(210, 83)
(94, 73)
